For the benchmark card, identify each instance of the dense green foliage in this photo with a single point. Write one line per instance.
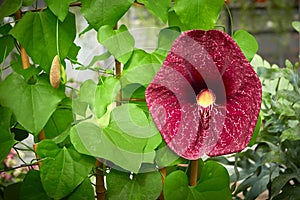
(92, 122)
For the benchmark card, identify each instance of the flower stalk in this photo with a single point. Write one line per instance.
(100, 188)
(193, 173)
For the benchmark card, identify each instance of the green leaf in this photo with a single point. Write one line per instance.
(28, 73)
(166, 38)
(288, 95)
(132, 121)
(214, 181)
(158, 8)
(27, 2)
(59, 8)
(279, 182)
(13, 191)
(130, 130)
(4, 29)
(289, 192)
(174, 20)
(63, 168)
(105, 95)
(6, 46)
(166, 157)
(120, 43)
(5, 117)
(40, 38)
(255, 132)
(145, 186)
(32, 182)
(89, 139)
(9, 7)
(73, 52)
(59, 121)
(141, 63)
(32, 104)
(176, 186)
(99, 13)
(296, 26)
(133, 90)
(213, 184)
(6, 138)
(198, 14)
(247, 43)
(84, 191)
(85, 98)
(272, 73)
(291, 133)
(79, 107)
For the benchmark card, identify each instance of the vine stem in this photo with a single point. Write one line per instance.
(100, 188)
(194, 172)
(20, 166)
(24, 55)
(163, 172)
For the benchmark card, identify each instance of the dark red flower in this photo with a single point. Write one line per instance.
(206, 97)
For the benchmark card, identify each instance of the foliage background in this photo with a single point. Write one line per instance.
(68, 166)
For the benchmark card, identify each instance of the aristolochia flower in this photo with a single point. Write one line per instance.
(206, 97)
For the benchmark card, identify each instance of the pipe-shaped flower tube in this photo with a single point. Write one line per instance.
(205, 99)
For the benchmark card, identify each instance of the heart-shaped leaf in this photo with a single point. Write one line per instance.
(40, 39)
(129, 136)
(99, 13)
(213, 184)
(89, 139)
(32, 104)
(146, 186)
(32, 182)
(158, 8)
(59, 8)
(144, 63)
(198, 14)
(63, 168)
(120, 43)
(247, 43)
(8, 7)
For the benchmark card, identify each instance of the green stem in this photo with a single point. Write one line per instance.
(230, 19)
(57, 42)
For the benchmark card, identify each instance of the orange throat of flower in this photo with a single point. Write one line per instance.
(206, 98)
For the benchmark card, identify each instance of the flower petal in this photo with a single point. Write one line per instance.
(199, 60)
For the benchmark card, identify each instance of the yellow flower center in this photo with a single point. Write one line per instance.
(206, 98)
